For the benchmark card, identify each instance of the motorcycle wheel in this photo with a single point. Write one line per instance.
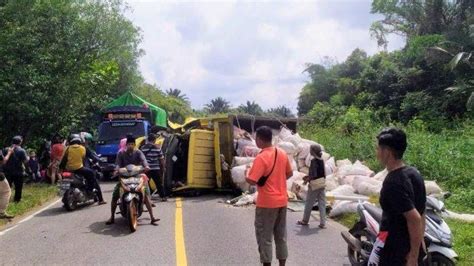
(355, 258)
(69, 201)
(440, 260)
(132, 216)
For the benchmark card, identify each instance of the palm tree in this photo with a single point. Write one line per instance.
(281, 111)
(251, 108)
(177, 93)
(218, 105)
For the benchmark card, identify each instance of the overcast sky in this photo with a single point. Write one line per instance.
(247, 50)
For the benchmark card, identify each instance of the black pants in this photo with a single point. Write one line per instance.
(91, 181)
(17, 180)
(157, 176)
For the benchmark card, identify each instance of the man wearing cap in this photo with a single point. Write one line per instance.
(15, 167)
(130, 155)
(156, 160)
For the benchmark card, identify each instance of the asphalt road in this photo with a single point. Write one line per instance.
(211, 233)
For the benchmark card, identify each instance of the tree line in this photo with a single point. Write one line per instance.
(430, 78)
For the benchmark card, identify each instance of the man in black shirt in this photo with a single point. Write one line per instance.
(403, 199)
(15, 167)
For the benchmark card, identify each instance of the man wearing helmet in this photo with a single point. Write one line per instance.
(73, 161)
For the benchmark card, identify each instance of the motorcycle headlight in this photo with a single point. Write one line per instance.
(446, 239)
(103, 159)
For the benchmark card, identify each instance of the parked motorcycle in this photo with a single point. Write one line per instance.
(72, 189)
(438, 238)
(132, 199)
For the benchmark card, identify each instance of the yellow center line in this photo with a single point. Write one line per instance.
(181, 259)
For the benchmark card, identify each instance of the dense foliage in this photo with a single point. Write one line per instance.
(61, 61)
(431, 78)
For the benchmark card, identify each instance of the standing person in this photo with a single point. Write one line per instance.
(318, 193)
(33, 166)
(57, 152)
(5, 191)
(73, 160)
(126, 157)
(403, 200)
(156, 161)
(270, 171)
(15, 167)
(44, 155)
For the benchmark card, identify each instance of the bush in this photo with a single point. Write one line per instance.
(444, 156)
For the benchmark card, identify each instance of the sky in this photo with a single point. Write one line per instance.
(247, 50)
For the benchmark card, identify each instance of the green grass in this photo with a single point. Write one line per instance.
(34, 195)
(463, 233)
(446, 157)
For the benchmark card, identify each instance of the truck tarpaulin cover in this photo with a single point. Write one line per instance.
(131, 99)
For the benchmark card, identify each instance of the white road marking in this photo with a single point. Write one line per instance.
(29, 217)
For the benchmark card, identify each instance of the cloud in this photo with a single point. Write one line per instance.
(247, 50)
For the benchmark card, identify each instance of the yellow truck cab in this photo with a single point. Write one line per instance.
(200, 152)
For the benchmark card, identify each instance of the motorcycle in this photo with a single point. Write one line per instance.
(132, 199)
(72, 189)
(438, 238)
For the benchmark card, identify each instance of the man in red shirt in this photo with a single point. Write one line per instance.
(272, 165)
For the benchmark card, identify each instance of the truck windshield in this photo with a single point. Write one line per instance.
(109, 131)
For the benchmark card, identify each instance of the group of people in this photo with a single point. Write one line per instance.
(76, 156)
(402, 198)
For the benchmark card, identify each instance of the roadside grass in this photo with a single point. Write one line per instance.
(34, 195)
(463, 233)
(445, 157)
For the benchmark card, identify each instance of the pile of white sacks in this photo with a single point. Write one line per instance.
(343, 178)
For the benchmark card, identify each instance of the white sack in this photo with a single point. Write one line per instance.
(344, 190)
(297, 176)
(331, 183)
(303, 150)
(243, 160)
(432, 188)
(238, 174)
(340, 163)
(369, 189)
(342, 207)
(300, 190)
(284, 133)
(288, 147)
(380, 176)
(247, 199)
(304, 170)
(294, 165)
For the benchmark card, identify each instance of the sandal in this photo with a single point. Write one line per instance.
(302, 223)
(154, 222)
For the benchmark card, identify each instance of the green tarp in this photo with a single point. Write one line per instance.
(131, 99)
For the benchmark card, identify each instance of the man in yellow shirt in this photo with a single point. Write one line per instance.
(74, 155)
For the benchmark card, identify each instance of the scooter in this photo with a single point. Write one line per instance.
(132, 199)
(438, 238)
(72, 189)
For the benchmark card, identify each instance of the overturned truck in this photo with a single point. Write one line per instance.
(200, 152)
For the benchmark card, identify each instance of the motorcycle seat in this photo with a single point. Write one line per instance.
(374, 211)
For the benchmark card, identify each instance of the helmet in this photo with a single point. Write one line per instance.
(86, 136)
(75, 139)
